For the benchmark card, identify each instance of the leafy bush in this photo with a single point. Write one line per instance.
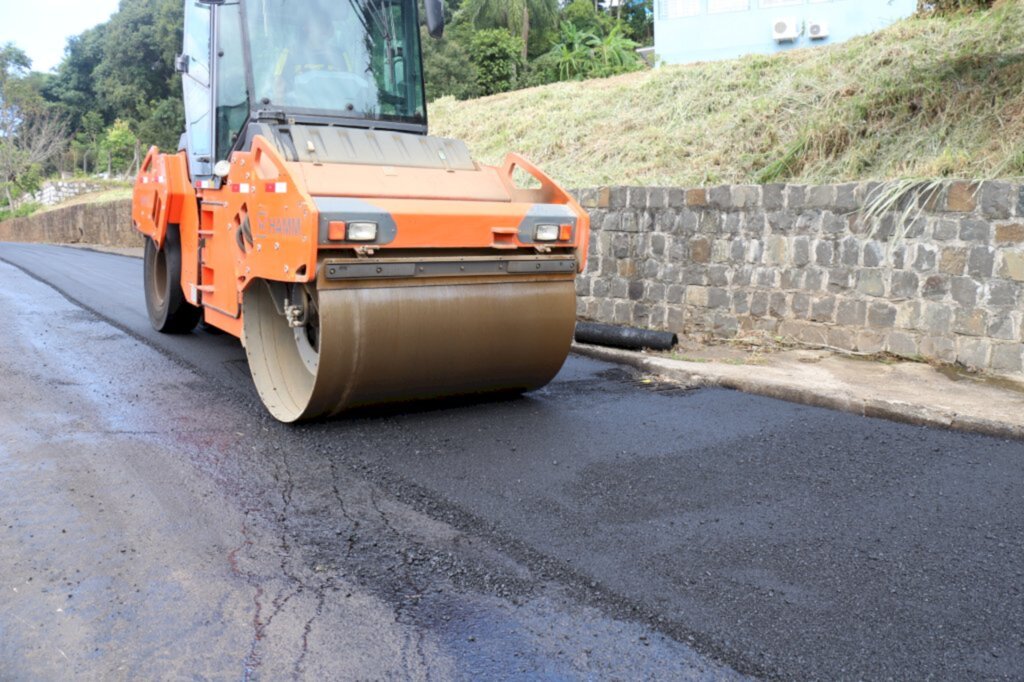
(22, 211)
(497, 56)
(951, 6)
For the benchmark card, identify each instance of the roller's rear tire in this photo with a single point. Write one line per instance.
(169, 311)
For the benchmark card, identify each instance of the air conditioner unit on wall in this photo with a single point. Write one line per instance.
(817, 30)
(786, 30)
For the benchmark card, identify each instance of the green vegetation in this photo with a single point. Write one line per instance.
(939, 95)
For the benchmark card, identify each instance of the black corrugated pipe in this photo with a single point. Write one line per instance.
(629, 338)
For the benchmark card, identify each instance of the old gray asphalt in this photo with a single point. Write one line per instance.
(601, 527)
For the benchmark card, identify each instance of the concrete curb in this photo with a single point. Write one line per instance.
(700, 375)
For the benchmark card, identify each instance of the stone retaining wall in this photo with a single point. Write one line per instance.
(941, 276)
(105, 224)
(53, 193)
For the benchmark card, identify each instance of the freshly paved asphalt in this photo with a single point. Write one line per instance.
(154, 520)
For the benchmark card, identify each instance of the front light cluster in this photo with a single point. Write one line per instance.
(552, 233)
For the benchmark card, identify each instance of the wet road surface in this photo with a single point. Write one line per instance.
(154, 522)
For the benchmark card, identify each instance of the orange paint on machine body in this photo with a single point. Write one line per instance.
(264, 222)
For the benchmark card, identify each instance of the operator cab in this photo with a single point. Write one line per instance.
(262, 66)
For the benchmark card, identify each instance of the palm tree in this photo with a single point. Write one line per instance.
(516, 15)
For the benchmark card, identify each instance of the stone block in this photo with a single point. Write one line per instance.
(870, 341)
(780, 221)
(636, 197)
(1007, 358)
(606, 311)
(724, 325)
(821, 196)
(824, 254)
(767, 277)
(971, 322)
(657, 244)
(849, 251)
(935, 287)
(937, 319)
(777, 251)
(600, 288)
(903, 344)
(807, 223)
(925, 257)
(732, 223)
(973, 353)
(720, 250)
(583, 286)
(851, 313)
(657, 198)
(898, 256)
(636, 290)
(718, 298)
(581, 308)
(627, 268)
(806, 332)
(833, 224)
(874, 254)
(975, 230)
(623, 312)
(962, 197)
(676, 319)
(881, 315)
(697, 296)
(916, 228)
(1010, 233)
(964, 291)
(741, 302)
(908, 314)
(1012, 265)
(1003, 292)
(846, 200)
(603, 197)
(718, 275)
(953, 260)
(738, 250)
(612, 222)
(720, 197)
(686, 223)
(773, 197)
(801, 251)
(759, 302)
(998, 199)
(823, 309)
(904, 284)
(619, 288)
(697, 197)
(778, 306)
(1005, 326)
(795, 197)
(700, 250)
(840, 337)
(674, 294)
(801, 305)
(938, 348)
(676, 197)
(755, 251)
(945, 229)
(618, 197)
(746, 196)
(815, 279)
(840, 279)
(871, 282)
(981, 262)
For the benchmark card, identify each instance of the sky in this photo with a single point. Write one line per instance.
(42, 27)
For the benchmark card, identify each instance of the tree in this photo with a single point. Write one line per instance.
(518, 16)
(31, 133)
(496, 55)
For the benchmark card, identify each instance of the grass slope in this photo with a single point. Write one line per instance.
(935, 97)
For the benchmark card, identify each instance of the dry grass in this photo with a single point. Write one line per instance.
(937, 97)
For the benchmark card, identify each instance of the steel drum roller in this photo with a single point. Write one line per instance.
(411, 342)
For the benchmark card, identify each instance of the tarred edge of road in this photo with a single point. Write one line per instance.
(700, 375)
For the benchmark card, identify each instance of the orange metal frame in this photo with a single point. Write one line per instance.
(262, 223)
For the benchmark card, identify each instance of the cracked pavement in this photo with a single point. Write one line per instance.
(155, 523)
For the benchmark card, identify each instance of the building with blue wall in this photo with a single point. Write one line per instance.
(706, 30)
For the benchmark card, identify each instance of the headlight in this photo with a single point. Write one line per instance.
(546, 233)
(361, 232)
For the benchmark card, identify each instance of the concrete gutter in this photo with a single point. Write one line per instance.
(915, 393)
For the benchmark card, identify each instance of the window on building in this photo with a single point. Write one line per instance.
(722, 6)
(677, 9)
(769, 4)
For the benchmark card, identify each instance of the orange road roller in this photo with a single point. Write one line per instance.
(309, 213)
